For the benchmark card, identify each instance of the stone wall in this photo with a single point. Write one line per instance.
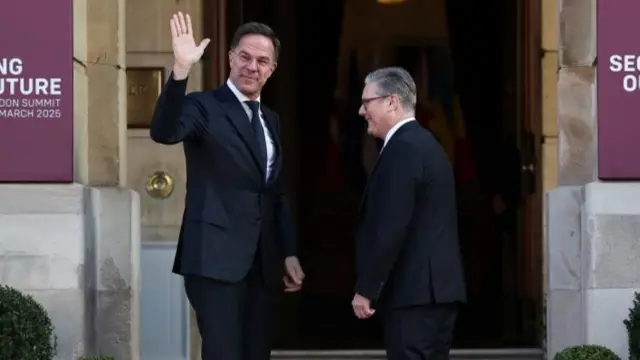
(549, 69)
(75, 247)
(592, 227)
(76, 250)
(99, 83)
(576, 92)
(42, 252)
(594, 265)
(574, 127)
(565, 302)
(114, 216)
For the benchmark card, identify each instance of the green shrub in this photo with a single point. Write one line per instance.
(586, 352)
(26, 332)
(633, 328)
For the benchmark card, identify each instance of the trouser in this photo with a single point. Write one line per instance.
(422, 332)
(234, 319)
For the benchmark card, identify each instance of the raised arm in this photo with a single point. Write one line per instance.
(178, 117)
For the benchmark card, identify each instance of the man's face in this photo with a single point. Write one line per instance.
(375, 110)
(251, 63)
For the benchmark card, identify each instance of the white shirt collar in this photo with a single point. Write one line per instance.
(241, 97)
(395, 128)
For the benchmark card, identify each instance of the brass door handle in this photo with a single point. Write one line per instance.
(159, 185)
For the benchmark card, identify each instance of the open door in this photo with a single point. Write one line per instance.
(530, 271)
(523, 96)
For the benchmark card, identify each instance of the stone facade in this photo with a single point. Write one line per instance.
(593, 264)
(576, 92)
(76, 247)
(592, 227)
(100, 92)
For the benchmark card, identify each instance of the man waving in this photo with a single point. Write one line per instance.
(237, 233)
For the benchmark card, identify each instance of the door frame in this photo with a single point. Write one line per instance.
(529, 85)
(530, 110)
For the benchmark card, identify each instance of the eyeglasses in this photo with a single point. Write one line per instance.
(366, 101)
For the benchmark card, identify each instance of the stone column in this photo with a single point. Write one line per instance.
(576, 92)
(549, 70)
(111, 212)
(576, 158)
(100, 92)
(549, 66)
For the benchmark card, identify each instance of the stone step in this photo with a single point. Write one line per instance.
(456, 354)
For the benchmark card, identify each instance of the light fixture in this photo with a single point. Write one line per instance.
(390, 2)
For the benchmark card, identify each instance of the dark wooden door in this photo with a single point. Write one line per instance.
(215, 61)
(530, 274)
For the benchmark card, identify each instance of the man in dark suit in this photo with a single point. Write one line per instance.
(408, 257)
(237, 232)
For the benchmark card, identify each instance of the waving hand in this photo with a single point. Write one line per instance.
(185, 51)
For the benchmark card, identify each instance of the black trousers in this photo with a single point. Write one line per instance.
(234, 319)
(422, 332)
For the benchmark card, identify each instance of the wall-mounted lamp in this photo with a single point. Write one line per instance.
(390, 2)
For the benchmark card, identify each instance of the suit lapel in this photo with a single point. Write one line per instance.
(238, 118)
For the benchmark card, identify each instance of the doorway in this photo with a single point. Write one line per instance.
(476, 66)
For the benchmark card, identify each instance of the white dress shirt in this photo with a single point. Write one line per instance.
(395, 128)
(267, 136)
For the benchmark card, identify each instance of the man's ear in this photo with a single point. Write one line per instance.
(394, 102)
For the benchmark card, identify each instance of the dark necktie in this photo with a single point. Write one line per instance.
(258, 130)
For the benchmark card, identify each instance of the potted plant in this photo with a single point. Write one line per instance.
(26, 332)
(632, 324)
(586, 352)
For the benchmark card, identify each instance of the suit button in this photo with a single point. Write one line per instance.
(256, 220)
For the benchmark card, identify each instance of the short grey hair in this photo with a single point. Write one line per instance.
(395, 81)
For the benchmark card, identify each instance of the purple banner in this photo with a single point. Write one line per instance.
(36, 91)
(618, 90)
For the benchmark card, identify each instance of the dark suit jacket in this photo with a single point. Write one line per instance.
(407, 245)
(230, 208)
